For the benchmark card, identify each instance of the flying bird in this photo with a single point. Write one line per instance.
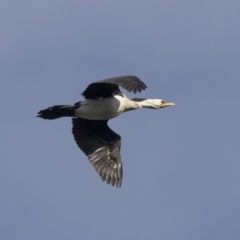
(103, 101)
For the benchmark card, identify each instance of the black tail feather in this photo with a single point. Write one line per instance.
(57, 111)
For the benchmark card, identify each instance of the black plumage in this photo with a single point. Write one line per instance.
(109, 87)
(102, 147)
(101, 90)
(57, 111)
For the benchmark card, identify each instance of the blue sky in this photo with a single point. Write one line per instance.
(181, 164)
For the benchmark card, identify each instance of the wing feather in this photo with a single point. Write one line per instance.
(102, 146)
(109, 87)
(130, 83)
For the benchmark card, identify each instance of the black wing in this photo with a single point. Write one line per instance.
(109, 87)
(102, 146)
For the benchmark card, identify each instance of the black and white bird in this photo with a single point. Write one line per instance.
(103, 101)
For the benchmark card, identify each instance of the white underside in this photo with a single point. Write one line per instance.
(107, 108)
(102, 109)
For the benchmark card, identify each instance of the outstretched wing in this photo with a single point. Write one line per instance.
(102, 146)
(109, 87)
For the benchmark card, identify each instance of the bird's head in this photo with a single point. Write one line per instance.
(165, 104)
(151, 103)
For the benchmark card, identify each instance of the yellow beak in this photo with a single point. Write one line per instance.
(166, 104)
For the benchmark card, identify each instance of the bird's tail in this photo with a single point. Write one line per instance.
(57, 111)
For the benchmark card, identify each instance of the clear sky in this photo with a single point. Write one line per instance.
(181, 164)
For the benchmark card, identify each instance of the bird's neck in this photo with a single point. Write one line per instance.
(132, 104)
(146, 103)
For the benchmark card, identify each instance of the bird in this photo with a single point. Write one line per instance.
(103, 101)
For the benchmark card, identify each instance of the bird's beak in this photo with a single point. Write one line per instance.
(166, 104)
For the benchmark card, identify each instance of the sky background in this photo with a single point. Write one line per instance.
(181, 164)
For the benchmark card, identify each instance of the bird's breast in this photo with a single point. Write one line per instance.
(100, 109)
